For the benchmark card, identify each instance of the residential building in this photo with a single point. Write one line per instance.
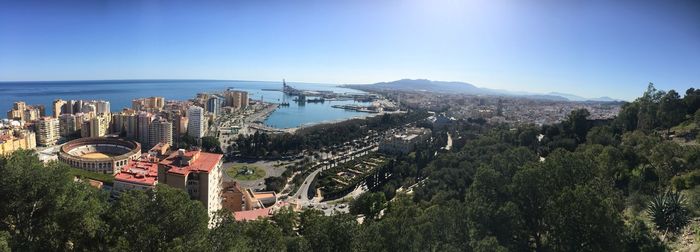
(126, 123)
(58, 107)
(99, 125)
(47, 131)
(68, 125)
(214, 105)
(236, 99)
(32, 114)
(160, 131)
(152, 104)
(102, 107)
(197, 173)
(15, 140)
(196, 123)
(22, 112)
(88, 108)
(179, 126)
(141, 174)
(144, 124)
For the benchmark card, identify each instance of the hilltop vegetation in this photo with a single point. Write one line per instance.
(619, 185)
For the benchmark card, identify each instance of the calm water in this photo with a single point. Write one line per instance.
(120, 94)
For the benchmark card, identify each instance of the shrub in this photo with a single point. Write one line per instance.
(669, 211)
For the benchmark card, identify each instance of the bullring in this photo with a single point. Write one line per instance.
(99, 154)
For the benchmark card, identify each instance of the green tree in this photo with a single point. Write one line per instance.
(227, 234)
(43, 209)
(628, 117)
(164, 218)
(639, 238)
(564, 190)
(671, 110)
(287, 220)
(648, 108)
(667, 159)
(602, 135)
(334, 233)
(368, 204)
(692, 100)
(578, 121)
(583, 219)
(211, 144)
(264, 236)
(4, 241)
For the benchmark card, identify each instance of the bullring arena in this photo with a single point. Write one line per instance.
(99, 154)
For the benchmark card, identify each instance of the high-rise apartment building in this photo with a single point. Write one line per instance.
(236, 99)
(89, 109)
(20, 105)
(78, 106)
(195, 119)
(214, 105)
(68, 124)
(179, 127)
(99, 125)
(143, 126)
(160, 131)
(47, 131)
(102, 107)
(197, 173)
(31, 114)
(148, 104)
(20, 111)
(58, 107)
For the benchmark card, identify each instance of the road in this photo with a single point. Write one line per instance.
(301, 197)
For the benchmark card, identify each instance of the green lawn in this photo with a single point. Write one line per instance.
(105, 178)
(236, 172)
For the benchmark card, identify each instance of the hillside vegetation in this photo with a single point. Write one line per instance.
(619, 185)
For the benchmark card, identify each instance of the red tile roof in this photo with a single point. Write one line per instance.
(191, 161)
(256, 213)
(5, 137)
(139, 172)
(252, 214)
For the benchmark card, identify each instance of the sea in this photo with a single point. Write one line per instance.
(120, 93)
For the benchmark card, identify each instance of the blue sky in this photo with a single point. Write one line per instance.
(588, 48)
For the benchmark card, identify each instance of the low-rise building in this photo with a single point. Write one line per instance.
(236, 199)
(139, 174)
(405, 141)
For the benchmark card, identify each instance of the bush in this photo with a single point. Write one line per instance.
(669, 211)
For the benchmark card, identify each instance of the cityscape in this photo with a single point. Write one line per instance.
(322, 140)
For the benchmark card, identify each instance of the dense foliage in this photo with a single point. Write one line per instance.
(319, 136)
(584, 186)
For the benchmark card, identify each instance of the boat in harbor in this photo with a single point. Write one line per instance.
(316, 100)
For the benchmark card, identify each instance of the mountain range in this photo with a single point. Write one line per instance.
(418, 85)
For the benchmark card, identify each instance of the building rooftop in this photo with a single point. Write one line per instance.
(139, 172)
(252, 214)
(160, 149)
(183, 162)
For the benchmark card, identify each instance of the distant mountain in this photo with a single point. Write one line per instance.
(572, 97)
(432, 86)
(419, 85)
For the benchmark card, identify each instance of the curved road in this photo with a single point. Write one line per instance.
(301, 194)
